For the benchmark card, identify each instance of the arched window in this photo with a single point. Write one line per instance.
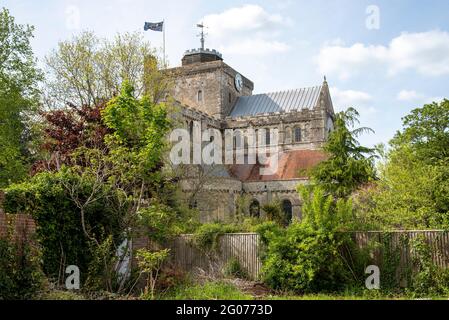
(254, 209)
(267, 137)
(288, 210)
(298, 136)
(238, 139)
(200, 95)
(191, 129)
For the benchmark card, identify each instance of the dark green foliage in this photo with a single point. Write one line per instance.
(21, 276)
(391, 272)
(100, 269)
(308, 256)
(59, 226)
(428, 279)
(426, 129)
(350, 165)
(304, 260)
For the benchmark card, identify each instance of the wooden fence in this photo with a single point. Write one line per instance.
(243, 247)
(246, 248)
(401, 241)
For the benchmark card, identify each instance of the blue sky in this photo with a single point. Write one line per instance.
(384, 67)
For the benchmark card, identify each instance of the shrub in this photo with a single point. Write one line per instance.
(161, 223)
(304, 259)
(311, 255)
(58, 220)
(267, 231)
(150, 263)
(207, 235)
(274, 213)
(428, 278)
(233, 268)
(21, 276)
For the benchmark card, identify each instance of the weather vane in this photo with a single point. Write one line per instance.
(202, 34)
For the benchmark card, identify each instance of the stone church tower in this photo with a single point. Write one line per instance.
(214, 95)
(206, 83)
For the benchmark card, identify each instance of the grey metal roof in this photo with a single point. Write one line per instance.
(284, 101)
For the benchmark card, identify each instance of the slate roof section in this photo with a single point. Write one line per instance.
(283, 101)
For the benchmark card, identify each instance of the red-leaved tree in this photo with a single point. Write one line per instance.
(68, 129)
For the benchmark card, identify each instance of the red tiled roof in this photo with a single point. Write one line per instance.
(292, 165)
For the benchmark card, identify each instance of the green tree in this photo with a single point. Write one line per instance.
(349, 165)
(426, 130)
(19, 78)
(413, 189)
(88, 70)
(88, 206)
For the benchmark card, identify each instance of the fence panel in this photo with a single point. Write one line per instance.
(245, 248)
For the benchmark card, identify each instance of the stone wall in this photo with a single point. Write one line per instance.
(215, 81)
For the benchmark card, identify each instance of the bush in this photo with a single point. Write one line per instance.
(59, 229)
(274, 213)
(150, 263)
(207, 235)
(162, 223)
(21, 276)
(303, 260)
(312, 255)
(428, 278)
(268, 230)
(233, 268)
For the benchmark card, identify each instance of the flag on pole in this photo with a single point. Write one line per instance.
(154, 26)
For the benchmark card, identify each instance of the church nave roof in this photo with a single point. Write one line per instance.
(283, 101)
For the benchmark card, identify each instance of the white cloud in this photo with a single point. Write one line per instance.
(248, 29)
(343, 99)
(409, 95)
(426, 53)
(416, 97)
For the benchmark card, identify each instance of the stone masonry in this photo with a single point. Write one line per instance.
(214, 94)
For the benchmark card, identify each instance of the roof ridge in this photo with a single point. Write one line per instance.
(286, 90)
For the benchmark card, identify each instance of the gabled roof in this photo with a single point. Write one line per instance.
(284, 101)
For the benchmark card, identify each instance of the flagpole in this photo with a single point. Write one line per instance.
(163, 41)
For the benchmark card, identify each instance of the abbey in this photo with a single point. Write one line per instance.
(211, 94)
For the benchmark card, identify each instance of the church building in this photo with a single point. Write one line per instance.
(211, 94)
